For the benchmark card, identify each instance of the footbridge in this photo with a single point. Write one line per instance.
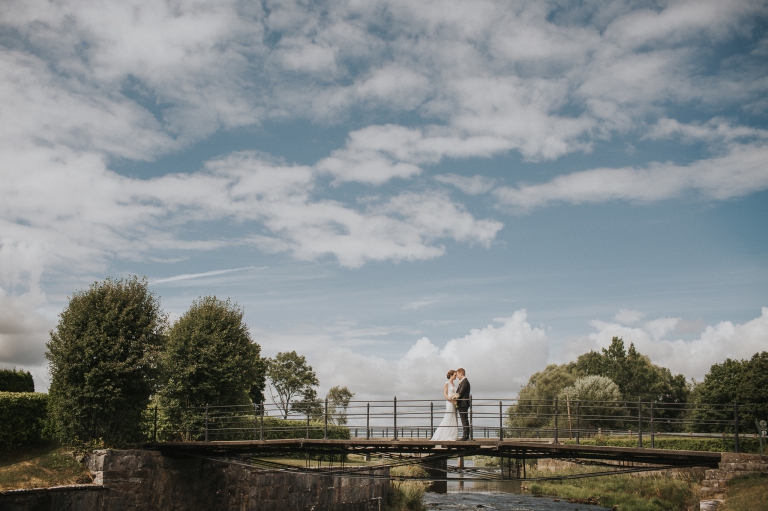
(351, 437)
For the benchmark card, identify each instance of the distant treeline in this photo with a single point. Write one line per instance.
(16, 380)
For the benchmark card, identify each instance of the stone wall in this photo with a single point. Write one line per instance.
(147, 480)
(715, 484)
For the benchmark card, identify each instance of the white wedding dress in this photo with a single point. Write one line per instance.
(449, 427)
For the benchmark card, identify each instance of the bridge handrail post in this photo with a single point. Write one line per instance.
(578, 422)
(431, 419)
(395, 412)
(501, 423)
(556, 412)
(307, 414)
(154, 427)
(471, 424)
(735, 427)
(639, 423)
(325, 425)
(206, 422)
(368, 421)
(653, 435)
(255, 420)
(261, 426)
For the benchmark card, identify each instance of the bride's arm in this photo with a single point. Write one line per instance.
(445, 392)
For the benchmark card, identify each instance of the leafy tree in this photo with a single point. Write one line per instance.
(744, 381)
(535, 404)
(338, 402)
(290, 377)
(638, 378)
(601, 400)
(210, 357)
(104, 362)
(309, 404)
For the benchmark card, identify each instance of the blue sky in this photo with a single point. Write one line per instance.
(395, 188)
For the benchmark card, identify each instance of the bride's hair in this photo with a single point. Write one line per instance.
(450, 373)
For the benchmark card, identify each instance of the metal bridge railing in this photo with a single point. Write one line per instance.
(401, 419)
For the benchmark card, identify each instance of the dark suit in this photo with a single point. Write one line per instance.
(462, 405)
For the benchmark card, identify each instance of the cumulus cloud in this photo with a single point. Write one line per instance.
(693, 358)
(626, 316)
(498, 359)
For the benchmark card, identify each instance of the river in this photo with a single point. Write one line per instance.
(461, 493)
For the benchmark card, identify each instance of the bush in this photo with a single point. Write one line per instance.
(22, 418)
(724, 444)
(103, 362)
(14, 380)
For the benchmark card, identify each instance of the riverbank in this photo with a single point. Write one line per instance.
(43, 466)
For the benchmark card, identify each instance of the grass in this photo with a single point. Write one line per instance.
(627, 492)
(406, 495)
(41, 467)
(746, 493)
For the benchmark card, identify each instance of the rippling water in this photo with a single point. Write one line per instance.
(460, 493)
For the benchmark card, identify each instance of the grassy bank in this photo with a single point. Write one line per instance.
(627, 491)
(406, 495)
(746, 494)
(40, 467)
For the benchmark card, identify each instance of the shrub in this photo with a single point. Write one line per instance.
(22, 418)
(15, 380)
(103, 362)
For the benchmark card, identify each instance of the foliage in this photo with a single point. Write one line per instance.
(103, 362)
(600, 398)
(535, 405)
(406, 496)
(309, 405)
(233, 423)
(42, 466)
(722, 444)
(627, 492)
(210, 357)
(338, 401)
(745, 381)
(16, 380)
(290, 376)
(635, 375)
(746, 493)
(22, 417)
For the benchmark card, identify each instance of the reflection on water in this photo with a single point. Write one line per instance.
(462, 493)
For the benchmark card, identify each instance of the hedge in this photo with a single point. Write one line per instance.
(22, 418)
(13, 380)
(723, 444)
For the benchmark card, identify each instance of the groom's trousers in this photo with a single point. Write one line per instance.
(464, 416)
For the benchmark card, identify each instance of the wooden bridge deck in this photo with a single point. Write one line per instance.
(513, 448)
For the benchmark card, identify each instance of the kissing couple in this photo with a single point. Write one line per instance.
(457, 398)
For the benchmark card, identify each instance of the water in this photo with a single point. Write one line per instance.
(460, 493)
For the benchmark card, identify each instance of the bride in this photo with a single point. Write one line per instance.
(449, 427)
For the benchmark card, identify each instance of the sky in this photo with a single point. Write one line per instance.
(395, 188)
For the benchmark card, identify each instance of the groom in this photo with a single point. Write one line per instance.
(462, 403)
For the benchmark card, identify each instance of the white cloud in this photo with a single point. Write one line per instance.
(692, 358)
(740, 171)
(474, 185)
(625, 316)
(498, 359)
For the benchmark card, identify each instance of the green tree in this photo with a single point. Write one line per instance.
(535, 403)
(290, 377)
(210, 357)
(103, 358)
(638, 378)
(338, 401)
(309, 404)
(744, 381)
(601, 400)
